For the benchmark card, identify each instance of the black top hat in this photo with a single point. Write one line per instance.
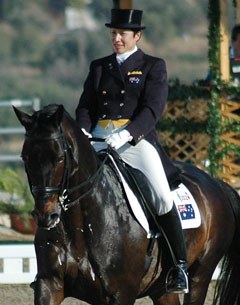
(126, 19)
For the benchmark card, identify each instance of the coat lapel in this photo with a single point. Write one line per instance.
(112, 66)
(133, 62)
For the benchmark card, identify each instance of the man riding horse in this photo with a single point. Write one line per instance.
(123, 99)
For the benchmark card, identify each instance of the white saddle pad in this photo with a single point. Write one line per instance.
(185, 203)
(187, 207)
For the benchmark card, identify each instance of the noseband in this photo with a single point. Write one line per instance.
(63, 191)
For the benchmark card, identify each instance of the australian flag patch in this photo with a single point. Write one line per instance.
(186, 211)
(134, 79)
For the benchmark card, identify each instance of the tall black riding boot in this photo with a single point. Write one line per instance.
(176, 279)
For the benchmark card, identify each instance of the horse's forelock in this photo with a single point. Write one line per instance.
(46, 120)
(51, 114)
(49, 110)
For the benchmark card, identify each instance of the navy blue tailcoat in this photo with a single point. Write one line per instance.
(137, 90)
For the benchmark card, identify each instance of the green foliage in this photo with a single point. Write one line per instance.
(101, 10)
(178, 91)
(67, 49)
(214, 38)
(182, 125)
(28, 28)
(214, 123)
(17, 195)
(78, 4)
(6, 47)
(57, 6)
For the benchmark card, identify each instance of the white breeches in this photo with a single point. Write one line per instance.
(144, 157)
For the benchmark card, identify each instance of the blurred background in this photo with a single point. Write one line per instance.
(46, 45)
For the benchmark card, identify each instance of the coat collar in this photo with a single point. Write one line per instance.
(132, 62)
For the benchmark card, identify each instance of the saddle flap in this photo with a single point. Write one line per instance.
(138, 183)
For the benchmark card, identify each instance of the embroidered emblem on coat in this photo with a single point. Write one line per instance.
(135, 73)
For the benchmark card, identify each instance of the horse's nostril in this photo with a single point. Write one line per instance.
(54, 217)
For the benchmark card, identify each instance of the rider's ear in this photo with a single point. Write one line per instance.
(25, 119)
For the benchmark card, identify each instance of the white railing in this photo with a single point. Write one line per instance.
(34, 104)
(17, 263)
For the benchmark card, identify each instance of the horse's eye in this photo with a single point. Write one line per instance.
(60, 161)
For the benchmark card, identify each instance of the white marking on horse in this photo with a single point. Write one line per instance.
(90, 228)
(59, 260)
(92, 273)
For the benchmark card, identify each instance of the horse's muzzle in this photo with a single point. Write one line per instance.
(47, 220)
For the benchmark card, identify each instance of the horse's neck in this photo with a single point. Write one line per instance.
(87, 158)
(84, 155)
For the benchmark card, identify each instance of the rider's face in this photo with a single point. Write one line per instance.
(124, 40)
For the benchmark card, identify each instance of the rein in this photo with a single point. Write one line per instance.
(92, 180)
(64, 191)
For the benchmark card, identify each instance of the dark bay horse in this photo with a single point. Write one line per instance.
(88, 243)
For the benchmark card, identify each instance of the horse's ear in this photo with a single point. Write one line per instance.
(58, 115)
(25, 119)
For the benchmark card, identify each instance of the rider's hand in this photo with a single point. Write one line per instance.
(118, 139)
(86, 133)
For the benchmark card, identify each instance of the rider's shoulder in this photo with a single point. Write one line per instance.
(102, 60)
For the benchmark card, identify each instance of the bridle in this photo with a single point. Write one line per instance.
(63, 191)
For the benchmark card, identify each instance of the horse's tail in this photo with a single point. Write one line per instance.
(227, 289)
